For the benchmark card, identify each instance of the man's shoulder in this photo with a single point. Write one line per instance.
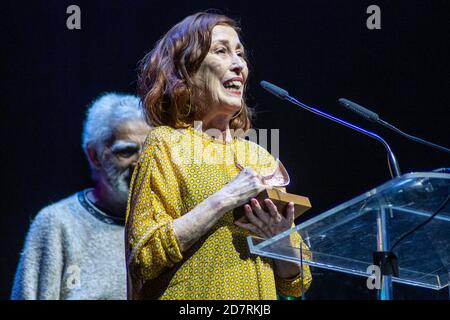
(59, 211)
(51, 220)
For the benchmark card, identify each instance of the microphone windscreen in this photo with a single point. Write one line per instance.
(273, 89)
(370, 115)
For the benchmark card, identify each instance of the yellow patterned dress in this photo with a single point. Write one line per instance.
(177, 170)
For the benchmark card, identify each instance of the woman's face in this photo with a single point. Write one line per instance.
(222, 74)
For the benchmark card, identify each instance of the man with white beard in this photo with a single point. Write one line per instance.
(75, 247)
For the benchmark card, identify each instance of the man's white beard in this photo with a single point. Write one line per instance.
(119, 183)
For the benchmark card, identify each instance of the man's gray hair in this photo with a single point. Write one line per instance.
(106, 113)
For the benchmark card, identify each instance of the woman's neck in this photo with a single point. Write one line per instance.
(215, 126)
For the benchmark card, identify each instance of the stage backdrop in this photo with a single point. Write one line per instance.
(318, 50)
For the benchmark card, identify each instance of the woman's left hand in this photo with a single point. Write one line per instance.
(267, 224)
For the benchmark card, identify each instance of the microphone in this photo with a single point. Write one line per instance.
(382, 256)
(372, 116)
(273, 89)
(284, 95)
(369, 115)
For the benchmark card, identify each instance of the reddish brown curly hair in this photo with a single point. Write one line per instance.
(165, 73)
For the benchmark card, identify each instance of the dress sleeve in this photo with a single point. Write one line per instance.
(154, 202)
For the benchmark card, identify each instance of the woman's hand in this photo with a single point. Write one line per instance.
(191, 226)
(267, 224)
(241, 189)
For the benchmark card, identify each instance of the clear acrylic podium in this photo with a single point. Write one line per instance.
(344, 238)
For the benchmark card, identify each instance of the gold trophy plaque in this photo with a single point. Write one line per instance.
(279, 178)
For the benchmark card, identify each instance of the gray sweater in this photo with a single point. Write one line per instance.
(72, 251)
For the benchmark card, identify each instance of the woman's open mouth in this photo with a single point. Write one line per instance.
(234, 86)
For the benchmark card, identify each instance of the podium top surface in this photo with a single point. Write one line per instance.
(344, 238)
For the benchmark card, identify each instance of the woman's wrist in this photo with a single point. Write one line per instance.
(287, 270)
(191, 226)
(222, 202)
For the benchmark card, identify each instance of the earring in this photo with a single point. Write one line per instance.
(189, 105)
(189, 111)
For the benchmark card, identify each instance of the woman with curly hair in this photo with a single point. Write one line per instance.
(181, 238)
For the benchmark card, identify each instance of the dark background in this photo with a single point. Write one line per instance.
(318, 50)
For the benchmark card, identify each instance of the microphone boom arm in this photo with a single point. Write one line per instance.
(392, 159)
(372, 116)
(382, 230)
(284, 95)
(416, 139)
